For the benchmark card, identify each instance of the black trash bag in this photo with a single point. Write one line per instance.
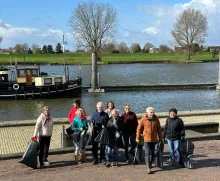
(119, 142)
(103, 137)
(69, 131)
(186, 152)
(91, 137)
(159, 155)
(30, 155)
(138, 154)
(75, 136)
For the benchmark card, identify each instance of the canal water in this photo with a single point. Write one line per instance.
(133, 74)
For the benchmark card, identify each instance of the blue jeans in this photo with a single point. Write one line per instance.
(174, 146)
(108, 153)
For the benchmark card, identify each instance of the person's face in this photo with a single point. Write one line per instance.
(114, 114)
(150, 114)
(74, 105)
(79, 113)
(99, 108)
(172, 114)
(127, 109)
(47, 112)
(110, 105)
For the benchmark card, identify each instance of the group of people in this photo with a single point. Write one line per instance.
(111, 131)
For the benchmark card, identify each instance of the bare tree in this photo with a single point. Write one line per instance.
(165, 48)
(190, 27)
(93, 25)
(123, 48)
(147, 47)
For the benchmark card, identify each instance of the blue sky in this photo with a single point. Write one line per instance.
(139, 21)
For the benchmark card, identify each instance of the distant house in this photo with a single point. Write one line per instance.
(4, 51)
(154, 50)
(213, 48)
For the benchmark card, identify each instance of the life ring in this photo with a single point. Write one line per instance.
(15, 86)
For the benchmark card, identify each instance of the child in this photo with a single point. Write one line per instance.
(79, 125)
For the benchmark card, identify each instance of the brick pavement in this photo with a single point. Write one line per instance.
(206, 163)
(14, 139)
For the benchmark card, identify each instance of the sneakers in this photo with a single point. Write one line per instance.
(115, 164)
(95, 162)
(107, 164)
(42, 166)
(46, 163)
(103, 161)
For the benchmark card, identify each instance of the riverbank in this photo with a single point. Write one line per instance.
(14, 135)
(106, 58)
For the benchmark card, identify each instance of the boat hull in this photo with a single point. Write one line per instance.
(10, 90)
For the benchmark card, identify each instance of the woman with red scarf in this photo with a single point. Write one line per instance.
(72, 113)
(43, 131)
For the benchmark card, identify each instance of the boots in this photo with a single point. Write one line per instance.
(80, 158)
(147, 160)
(151, 158)
(83, 157)
(76, 159)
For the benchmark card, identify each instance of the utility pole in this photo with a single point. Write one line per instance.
(64, 55)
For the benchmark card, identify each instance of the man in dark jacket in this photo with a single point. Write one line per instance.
(98, 121)
(174, 131)
(130, 123)
(115, 128)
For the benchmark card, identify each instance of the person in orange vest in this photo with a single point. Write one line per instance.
(72, 114)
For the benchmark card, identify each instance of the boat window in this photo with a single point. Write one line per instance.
(34, 72)
(21, 73)
(28, 72)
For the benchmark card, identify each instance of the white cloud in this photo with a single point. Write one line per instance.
(151, 31)
(164, 17)
(13, 35)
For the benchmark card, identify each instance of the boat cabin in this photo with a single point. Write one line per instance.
(27, 75)
(3, 74)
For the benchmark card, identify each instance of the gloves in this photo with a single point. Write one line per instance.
(103, 126)
(117, 135)
(138, 141)
(81, 129)
(34, 138)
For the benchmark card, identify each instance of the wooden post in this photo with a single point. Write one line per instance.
(218, 86)
(94, 71)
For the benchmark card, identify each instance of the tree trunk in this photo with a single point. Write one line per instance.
(94, 81)
(188, 53)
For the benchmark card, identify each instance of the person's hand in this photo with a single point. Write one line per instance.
(103, 126)
(182, 137)
(81, 129)
(138, 141)
(34, 138)
(117, 135)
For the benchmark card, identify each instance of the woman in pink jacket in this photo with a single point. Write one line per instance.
(43, 132)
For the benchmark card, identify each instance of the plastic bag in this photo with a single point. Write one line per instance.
(30, 155)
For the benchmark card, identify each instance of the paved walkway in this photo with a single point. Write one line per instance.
(206, 163)
(14, 139)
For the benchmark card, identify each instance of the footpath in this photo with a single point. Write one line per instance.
(206, 162)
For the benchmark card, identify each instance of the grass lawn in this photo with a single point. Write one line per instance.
(107, 58)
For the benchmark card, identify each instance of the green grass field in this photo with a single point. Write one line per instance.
(106, 58)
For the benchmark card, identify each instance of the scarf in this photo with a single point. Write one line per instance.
(47, 118)
(150, 118)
